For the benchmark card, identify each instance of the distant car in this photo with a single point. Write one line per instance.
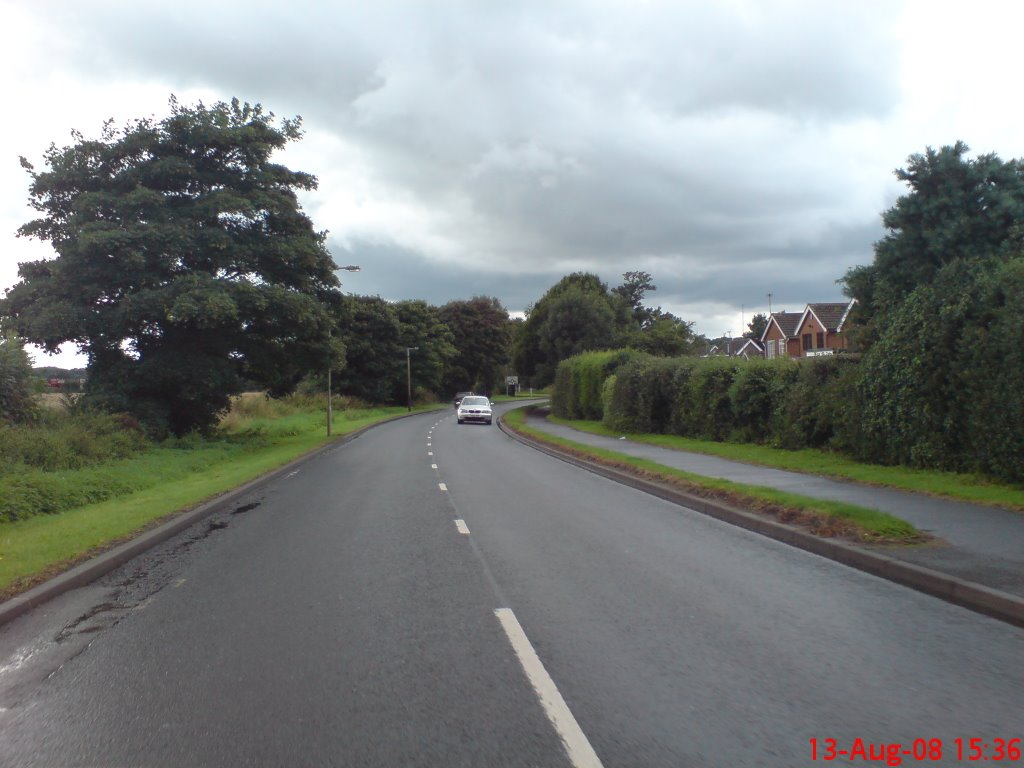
(458, 398)
(474, 408)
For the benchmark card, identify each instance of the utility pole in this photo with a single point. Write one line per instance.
(769, 305)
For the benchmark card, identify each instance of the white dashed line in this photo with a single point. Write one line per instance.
(430, 453)
(442, 486)
(581, 754)
(460, 526)
(433, 466)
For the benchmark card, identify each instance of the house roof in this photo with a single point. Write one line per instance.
(830, 315)
(786, 322)
(747, 347)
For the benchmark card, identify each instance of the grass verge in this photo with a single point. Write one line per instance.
(167, 479)
(822, 518)
(950, 485)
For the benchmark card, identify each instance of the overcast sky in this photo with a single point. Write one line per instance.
(732, 148)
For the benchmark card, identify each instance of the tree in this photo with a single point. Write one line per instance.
(756, 326)
(17, 401)
(482, 335)
(185, 266)
(374, 350)
(634, 288)
(578, 321)
(575, 315)
(665, 336)
(957, 208)
(422, 326)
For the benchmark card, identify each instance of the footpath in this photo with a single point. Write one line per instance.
(973, 543)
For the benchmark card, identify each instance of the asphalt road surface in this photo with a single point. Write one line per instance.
(440, 595)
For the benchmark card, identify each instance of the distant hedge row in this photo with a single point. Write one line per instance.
(775, 402)
(836, 402)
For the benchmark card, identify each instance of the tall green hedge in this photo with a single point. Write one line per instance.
(942, 388)
(944, 385)
(579, 381)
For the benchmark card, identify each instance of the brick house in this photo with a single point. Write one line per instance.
(820, 329)
(780, 338)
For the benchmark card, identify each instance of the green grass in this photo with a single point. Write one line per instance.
(170, 478)
(951, 485)
(824, 517)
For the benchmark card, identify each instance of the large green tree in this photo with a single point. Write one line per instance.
(576, 314)
(374, 350)
(185, 266)
(957, 207)
(423, 326)
(376, 334)
(482, 334)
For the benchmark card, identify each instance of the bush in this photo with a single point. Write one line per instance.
(74, 440)
(819, 400)
(642, 395)
(17, 401)
(757, 390)
(579, 382)
(709, 416)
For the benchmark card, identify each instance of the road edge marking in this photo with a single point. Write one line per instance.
(577, 746)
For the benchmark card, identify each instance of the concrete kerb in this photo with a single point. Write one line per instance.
(92, 569)
(976, 597)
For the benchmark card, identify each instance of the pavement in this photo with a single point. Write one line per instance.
(976, 548)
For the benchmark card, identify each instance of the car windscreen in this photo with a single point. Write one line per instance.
(474, 401)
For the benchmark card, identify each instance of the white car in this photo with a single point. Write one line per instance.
(474, 408)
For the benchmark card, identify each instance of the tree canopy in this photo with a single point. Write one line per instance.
(579, 313)
(482, 335)
(956, 208)
(185, 266)
(756, 326)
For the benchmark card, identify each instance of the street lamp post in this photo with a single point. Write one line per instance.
(330, 409)
(408, 374)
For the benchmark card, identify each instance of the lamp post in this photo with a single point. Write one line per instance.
(330, 410)
(408, 374)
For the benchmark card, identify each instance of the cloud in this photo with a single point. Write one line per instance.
(730, 148)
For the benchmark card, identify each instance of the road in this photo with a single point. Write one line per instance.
(440, 595)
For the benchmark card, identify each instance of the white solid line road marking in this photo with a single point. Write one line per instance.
(581, 754)
(460, 526)
(442, 486)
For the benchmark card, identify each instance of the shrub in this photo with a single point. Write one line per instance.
(17, 402)
(754, 395)
(820, 398)
(579, 382)
(641, 397)
(710, 417)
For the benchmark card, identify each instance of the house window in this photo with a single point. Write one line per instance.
(821, 340)
(807, 341)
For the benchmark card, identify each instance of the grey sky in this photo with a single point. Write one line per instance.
(731, 149)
